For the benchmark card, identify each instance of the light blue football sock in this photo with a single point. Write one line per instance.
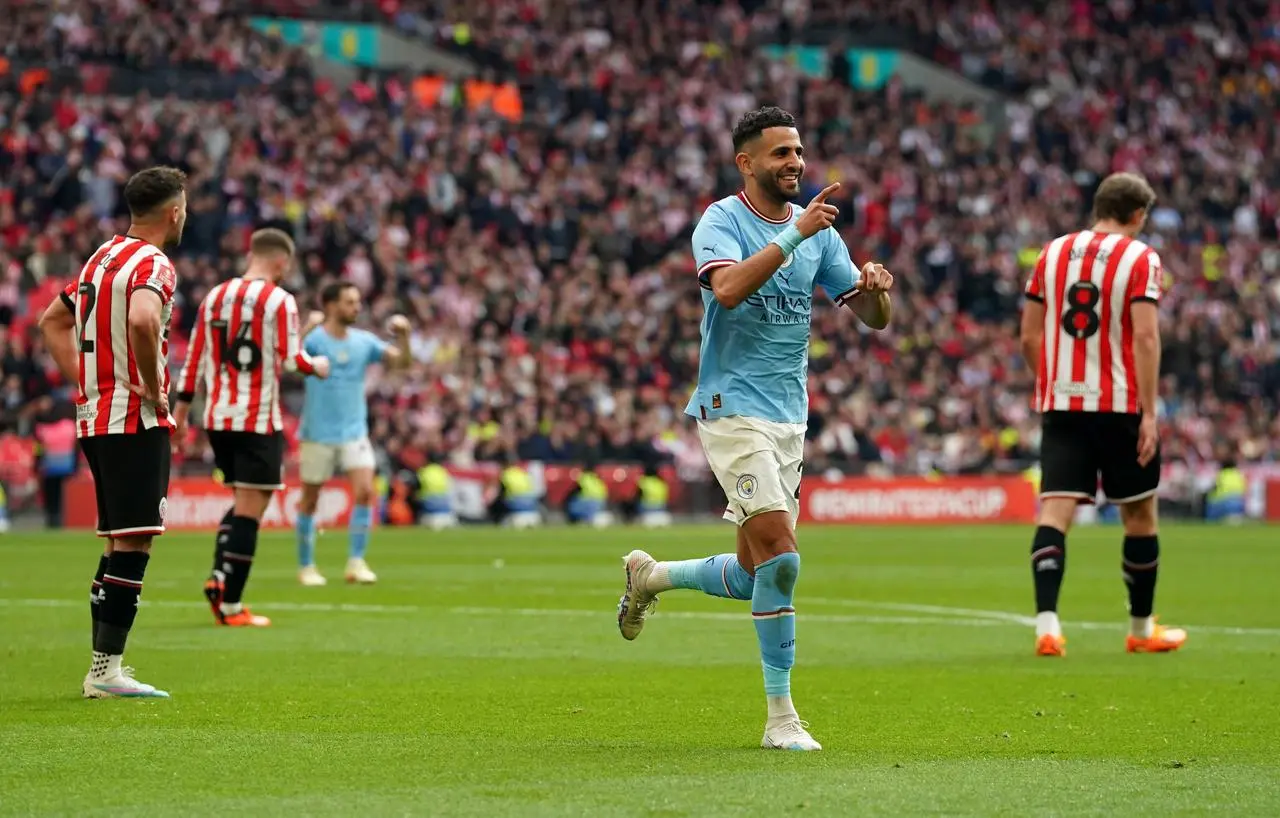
(358, 530)
(775, 620)
(306, 540)
(721, 575)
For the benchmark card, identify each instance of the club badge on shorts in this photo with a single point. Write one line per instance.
(164, 508)
(747, 486)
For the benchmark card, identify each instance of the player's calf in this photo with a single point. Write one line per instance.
(1048, 567)
(117, 608)
(360, 527)
(237, 547)
(773, 612)
(95, 594)
(1140, 564)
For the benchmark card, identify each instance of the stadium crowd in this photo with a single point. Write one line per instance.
(545, 263)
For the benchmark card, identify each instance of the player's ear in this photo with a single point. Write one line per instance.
(743, 160)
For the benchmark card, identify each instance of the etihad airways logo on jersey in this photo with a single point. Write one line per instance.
(782, 309)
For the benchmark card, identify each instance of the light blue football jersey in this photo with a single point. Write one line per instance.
(334, 410)
(754, 360)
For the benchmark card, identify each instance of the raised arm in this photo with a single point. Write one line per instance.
(289, 347)
(398, 354)
(718, 252)
(866, 295)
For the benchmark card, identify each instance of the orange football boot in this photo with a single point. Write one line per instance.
(1161, 640)
(245, 618)
(1050, 645)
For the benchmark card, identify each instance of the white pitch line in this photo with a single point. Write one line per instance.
(940, 610)
(943, 615)
(320, 607)
(718, 616)
(315, 607)
(1027, 621)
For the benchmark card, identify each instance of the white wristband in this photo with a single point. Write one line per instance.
(788, 240)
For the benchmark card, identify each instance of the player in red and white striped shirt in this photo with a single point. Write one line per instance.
(245, 336)
(108, 333)
(1091, 333)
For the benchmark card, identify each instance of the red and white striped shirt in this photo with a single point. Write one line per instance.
(245, 336)
(1086, 282)
(99, 299)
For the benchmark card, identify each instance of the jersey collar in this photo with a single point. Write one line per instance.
(742, 196)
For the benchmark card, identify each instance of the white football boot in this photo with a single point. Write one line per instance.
(311, 577)
(358, 571)
(790, 734)
(119, 685)
(636, 601)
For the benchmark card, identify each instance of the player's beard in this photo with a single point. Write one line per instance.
(175, 236)
(772, 188)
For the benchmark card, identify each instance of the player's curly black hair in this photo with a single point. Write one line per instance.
(754, 122)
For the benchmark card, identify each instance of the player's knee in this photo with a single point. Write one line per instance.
(252, 503)
(1140, 519)
(1057, 512)
(769, 535)
(787, 571)
(362, 493)
(140, 543)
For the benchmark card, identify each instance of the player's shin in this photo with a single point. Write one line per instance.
(774, 613)
(358, 531)
(95, 596)
(121, 590)
(1140, 566)
(306, 540)
(1048, 567)
(221, 539)
(237, 560)
(721, 575)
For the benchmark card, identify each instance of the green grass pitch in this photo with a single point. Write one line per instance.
(484, 676)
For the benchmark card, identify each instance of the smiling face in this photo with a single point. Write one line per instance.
(775, 162)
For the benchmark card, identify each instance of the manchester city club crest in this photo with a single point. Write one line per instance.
(342, 356)
(747, 486)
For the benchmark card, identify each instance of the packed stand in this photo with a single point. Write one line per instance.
(546, 266)
(155, 35)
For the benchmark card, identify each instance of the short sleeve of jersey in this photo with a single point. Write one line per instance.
(1146, 282)
(375, 348)
(1034, 291)
(715, 243)
(312, 344)
(68, 294)
(836, 274)
(156, 273)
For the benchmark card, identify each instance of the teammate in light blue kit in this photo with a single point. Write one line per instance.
(335, 425)
(760, 260)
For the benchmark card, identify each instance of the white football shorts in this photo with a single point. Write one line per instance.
(318, 462)
(757, 463)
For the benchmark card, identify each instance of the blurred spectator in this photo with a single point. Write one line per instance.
(55, 434)
(545, 262)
